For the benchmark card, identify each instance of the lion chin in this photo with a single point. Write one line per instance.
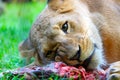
(77, 32)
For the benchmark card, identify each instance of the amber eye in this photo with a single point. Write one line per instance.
(65, 27)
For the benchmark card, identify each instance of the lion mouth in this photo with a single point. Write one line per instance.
(77, 55)
(75, 60)
(87, 61)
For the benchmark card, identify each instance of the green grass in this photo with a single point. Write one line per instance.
(15, 24)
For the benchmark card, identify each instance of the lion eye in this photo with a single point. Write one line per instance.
(65, 27)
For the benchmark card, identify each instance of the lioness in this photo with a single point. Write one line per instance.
(77, 32)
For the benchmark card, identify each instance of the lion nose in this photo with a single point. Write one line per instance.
(77, 55)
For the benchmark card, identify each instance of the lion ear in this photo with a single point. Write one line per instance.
(61, 6)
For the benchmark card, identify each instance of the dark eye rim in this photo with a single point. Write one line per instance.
(65, 27)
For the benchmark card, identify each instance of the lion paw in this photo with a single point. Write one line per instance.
(114, 71)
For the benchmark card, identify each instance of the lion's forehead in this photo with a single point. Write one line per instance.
(58, 18)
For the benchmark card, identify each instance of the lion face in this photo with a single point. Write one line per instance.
(74, 43)
(69, 34)
(72, 30)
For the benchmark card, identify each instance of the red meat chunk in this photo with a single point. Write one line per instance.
(62, 70)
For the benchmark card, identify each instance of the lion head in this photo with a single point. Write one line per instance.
(64, 31)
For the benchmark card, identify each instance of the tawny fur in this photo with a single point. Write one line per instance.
(107, 20)
(95, 20)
